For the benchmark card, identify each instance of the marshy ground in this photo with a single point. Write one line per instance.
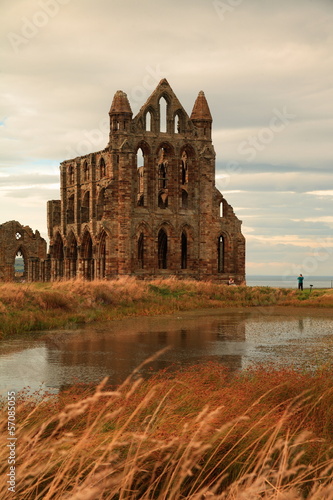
(197, 433)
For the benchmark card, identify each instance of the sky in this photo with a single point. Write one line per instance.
(266, 68)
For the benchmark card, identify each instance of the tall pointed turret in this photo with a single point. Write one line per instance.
(201, 116)
(120, 103)
(120, 113)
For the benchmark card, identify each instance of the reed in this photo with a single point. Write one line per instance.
(195, 434)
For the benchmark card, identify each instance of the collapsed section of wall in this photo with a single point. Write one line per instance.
(20, 241)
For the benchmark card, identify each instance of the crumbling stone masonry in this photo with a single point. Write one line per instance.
(16, 239)
(147, 204)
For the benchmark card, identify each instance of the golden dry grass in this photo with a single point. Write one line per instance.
(197, 434)
(40, 306)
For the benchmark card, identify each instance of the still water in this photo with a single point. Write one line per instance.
(236, 338)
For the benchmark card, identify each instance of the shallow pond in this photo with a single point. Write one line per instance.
(237, 338)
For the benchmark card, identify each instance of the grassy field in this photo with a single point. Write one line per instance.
(27, 307)
(200, 433)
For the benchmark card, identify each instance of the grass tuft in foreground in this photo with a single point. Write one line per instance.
(200, 433)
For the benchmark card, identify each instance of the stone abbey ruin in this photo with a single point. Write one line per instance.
(16, 239)
(146, 205)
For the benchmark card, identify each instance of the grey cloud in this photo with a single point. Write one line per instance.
(42, 194)
(28, 179)
(262, 56)
(275, 182)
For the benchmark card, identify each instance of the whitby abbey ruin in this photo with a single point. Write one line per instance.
(145, 206)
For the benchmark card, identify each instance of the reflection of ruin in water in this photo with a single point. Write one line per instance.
(118, 349)
(238, 339)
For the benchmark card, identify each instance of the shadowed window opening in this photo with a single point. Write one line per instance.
(85, 171)
(220, 254)
(100, 205)
(85, 208)
(88, 262)
(184, 168)
(162, 175)
(102, 256)
(58, 254)
(162, 200)
(184, 199)
(162, 249)
(184, 251)
(70, 210)
(72, 256)
(141, 251)
(71, 174)
(102, 168)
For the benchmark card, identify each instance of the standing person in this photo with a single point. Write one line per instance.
(300, 282)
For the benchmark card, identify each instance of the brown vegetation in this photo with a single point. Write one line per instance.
(40, 306)
(196, 434)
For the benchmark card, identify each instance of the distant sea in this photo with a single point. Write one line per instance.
(290, 281)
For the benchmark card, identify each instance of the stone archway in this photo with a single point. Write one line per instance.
(71, 256)
(87, 256)
(17, 239)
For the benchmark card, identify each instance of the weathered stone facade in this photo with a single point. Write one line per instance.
(17, 239)
(147, 204)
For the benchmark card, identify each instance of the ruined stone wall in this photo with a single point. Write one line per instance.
(156, 213)
(17, 239)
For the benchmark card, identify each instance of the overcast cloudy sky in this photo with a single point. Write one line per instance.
(266, 67)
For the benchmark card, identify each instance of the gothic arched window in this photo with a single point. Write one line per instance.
(184, 251)
(163, 114)
(85, 171)
(162, 175)
(177, 125)
(102, 168)
(85, 207)
(140, 161)
(220, 254)
(70, 210)
(162, 249)
(184, 199)
(141, 250)
(184, 168)
(148, 121)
